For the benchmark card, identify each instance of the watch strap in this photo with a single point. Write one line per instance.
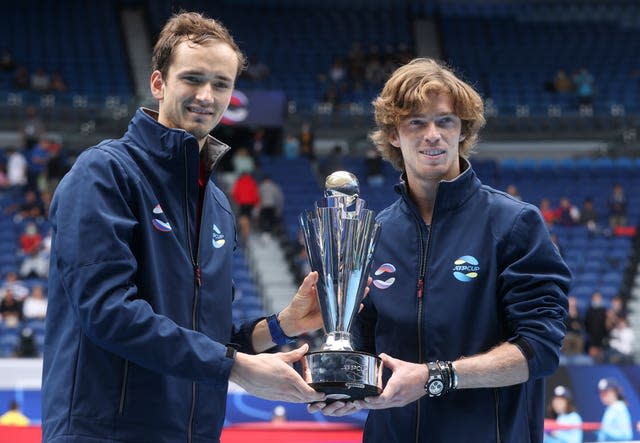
(277, 334)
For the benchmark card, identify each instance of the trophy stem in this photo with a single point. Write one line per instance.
(337, 341)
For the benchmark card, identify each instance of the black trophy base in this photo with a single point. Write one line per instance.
(343, 375)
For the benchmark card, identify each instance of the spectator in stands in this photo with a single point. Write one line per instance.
(30, 208)
(10, 309)
(243, 162)
(373, 71)
(307, 140)
(584, 86)
(567, 213)
(34, 306)
(245, 194)
(562, 83)
(26, 347)
(512, 190)
(564, 412)
(291, 146)
(4, 180)
(616, 421)
(589, 216)
(57, 165)
(37, 160)
(32, 128)
(7, 62)
(617, 203)
(30, 248)
(15, 285)
(40, 80)
(486, 342)
(36, 265)
(337, 72)
(615, 312)
(621, 343)
(573, 343)
(137, 298)
(16, 168)
(548, 213)
(595, 326)
(21, 79)
(13, 416)
(57, 82)
(271, 204)
(356, 63)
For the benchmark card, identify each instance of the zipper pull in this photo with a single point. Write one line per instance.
(420, 287)
(198, 279)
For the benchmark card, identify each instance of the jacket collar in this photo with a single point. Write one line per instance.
(451, 193)
(156, 138)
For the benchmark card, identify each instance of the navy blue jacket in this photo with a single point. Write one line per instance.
(139, 309)
(484, 272)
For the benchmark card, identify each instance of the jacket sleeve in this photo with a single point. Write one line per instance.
(94, 239)
(533, 287)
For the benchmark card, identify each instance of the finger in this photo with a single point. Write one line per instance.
(388, 361)
(308, 282)
(315, 407)
(295, 355)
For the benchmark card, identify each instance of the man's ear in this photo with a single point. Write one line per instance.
(157, 85)
(394, 139)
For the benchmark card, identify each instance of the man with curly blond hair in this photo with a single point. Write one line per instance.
(469, 295)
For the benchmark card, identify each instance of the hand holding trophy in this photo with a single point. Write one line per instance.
(340, 238)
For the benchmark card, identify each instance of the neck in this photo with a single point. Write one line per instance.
(423, 193)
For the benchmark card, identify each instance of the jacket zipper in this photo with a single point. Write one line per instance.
(497, 406)
(196, 292)
(123, 390)
(424, 253)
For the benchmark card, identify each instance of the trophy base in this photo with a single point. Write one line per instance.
(343, 375)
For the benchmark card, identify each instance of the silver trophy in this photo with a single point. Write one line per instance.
(340, 237)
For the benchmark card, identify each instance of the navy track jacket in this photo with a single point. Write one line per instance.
(139, 310)
(484, 272)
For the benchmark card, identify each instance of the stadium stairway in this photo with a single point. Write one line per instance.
(268, 264)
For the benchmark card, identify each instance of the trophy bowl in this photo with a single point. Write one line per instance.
(340, 237)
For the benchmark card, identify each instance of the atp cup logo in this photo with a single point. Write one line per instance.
(217, 238)
(465, 268)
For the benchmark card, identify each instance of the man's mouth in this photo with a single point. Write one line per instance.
(432, 152)
(198, 110)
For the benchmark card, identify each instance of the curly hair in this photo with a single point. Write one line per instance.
(407, 92)
(196, 28)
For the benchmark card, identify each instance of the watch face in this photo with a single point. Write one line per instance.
(435, 387)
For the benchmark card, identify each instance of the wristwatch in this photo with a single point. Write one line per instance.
(436, 382)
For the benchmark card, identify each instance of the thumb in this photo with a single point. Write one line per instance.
(296, 354)
(389, 361)
(309, 281)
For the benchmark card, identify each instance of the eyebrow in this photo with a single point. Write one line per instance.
(203, 74)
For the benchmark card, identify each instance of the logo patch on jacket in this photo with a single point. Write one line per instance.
(465, 268)
(158, 223)
(385, 268)
(217, 238)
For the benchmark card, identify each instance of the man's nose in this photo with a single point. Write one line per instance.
(205, 93)
(432, 133)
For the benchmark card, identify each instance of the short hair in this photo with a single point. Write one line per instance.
(406, 92)
(196, 28)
